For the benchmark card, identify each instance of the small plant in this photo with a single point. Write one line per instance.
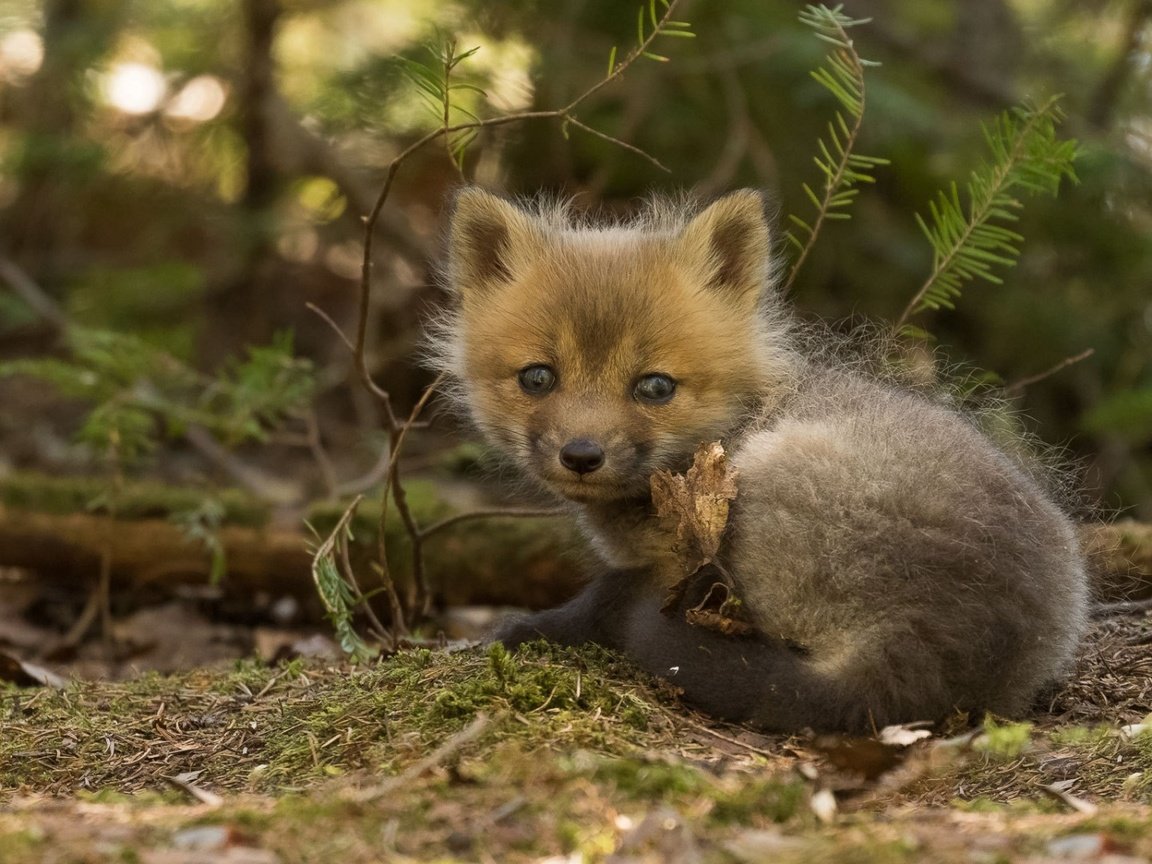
(970, 239)
(139, 393)
(842, 75)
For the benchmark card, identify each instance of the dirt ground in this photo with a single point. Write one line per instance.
(557, 755)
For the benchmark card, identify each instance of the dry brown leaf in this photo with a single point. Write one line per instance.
(696, 504)
(719, 611)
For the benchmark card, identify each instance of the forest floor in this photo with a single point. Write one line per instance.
(556, 755)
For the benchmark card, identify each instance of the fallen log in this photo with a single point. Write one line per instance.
(493, 561)
(533, 562)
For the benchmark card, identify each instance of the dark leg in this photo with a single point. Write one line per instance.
(597, 614)
(755, 680)
(751, 680)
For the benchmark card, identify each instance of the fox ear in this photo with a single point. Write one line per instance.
(731, 241)
(487, 236)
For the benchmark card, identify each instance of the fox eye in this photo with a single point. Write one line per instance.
(536, 380)
(656, 388)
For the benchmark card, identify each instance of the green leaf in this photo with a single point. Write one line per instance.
(1127, 414)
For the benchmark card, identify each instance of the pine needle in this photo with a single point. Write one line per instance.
(967, 232)
(842, 75)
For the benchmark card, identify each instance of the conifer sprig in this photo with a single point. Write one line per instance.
(968, 242)
(842, 75)
(435, 85)
(138, 391)
(661, 25)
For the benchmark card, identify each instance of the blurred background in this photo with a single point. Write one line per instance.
(179, 178)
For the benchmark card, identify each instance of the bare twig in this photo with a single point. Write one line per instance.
(256, 481)
(319, 454)
(1123, 607)
(419, 579)
(375, 475)
(1018, 387)
(327, 319)
(493, 513)
(346, 568)
(33, 295)
(631, 148)
(1130, 57)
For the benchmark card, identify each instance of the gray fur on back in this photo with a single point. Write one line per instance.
(918, 565)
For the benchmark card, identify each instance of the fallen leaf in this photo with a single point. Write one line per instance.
(24, 674)
(694, 506)
(719, 611)
(904, 734)
(866, 758)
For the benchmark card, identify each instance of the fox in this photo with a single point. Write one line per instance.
(895, 565)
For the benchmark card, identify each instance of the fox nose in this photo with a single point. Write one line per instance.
(582, 456)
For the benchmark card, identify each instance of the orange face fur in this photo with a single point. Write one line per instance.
(603, 311)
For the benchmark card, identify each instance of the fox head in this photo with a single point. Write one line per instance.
(595, 355)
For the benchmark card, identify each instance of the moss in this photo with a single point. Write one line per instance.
(769, 798)
(1004, 741)
(536, 681)
(651, 779)
(28, 844)
(978, 805)
(63, 495)
(1079, 737)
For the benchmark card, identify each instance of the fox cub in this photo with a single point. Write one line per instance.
(893, 563)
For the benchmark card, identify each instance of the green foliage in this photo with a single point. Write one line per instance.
(649, 26)
(138, 391)
(842, 75)
(254, 396)
(1004, 741)
(969, 241)
(1127, 414)
(201, 524)
(337, 588)
(435, 86)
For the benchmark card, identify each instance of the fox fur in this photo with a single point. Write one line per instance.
(895, 564)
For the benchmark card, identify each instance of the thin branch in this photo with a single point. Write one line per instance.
(350, 577)
(494, 513)
(327, 319)
(33, 295)
(250, 477)
(449, 65)
(1018, 387)
(375, 475)
(1111, 87)
(631, 148)
(423, 597)
(319, 454)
